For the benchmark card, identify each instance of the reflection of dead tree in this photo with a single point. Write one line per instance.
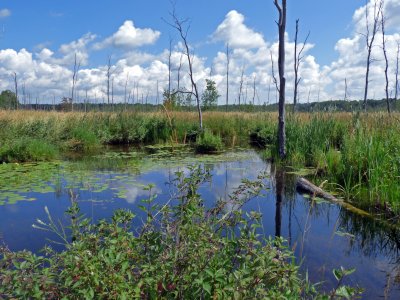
(182, 28)
(298, 57)
(280, 191)
(386, 61)
(369, 39)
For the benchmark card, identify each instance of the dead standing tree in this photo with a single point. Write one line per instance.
(396, 85)
(179, 25)
(369, 39)
(16, 89)
(76, 68)
(282, 80)
(386, 61)
(227, 75)
(109, 75)
(298, 57)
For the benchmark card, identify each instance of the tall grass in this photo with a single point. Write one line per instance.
(358, 153)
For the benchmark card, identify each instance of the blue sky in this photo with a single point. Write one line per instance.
(50, 24)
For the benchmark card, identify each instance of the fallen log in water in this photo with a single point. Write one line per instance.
(310, 188)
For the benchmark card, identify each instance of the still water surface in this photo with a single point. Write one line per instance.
(323, 236)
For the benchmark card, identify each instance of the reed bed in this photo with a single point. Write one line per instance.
(359, 154)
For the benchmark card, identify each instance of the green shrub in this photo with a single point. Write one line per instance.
(82, 139)
(27, 149)
(184, 251)
(207, 142)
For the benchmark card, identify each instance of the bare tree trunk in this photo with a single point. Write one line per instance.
(241, 86)
(254, 89)
(77, 65)
(396, 87)
(386, 61)
(369, 38)
(23, 94)
(169, 68)
(126, 90)
(282, 80)
(86, 99)
(179, 73)
(108, 74)
(297, 61)
(16, 89)
(179, 26)
(158, 94)
(112, 93)
(227, 75)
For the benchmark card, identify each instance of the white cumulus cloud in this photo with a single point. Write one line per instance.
(233, 31)
(130, 37)
(4, 13)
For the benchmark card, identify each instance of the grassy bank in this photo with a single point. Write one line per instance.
(25, 135)
(359, 154)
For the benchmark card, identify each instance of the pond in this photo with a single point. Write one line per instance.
(323, 235)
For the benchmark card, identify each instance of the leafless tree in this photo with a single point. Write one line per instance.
(369, 39)
(281, 7)
(298, 57)
(179, 73)
(169, 67)
(273, 73)
(112, 93)
(254, 88)
(181, 26)
(23, 93)
(16, 88)
(227, 75)
(158, 94)
(241, 86)
(77, 65)
(126, 90)
(396, 86)
(109, 75)
(386, 61)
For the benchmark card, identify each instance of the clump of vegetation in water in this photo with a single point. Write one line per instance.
(207, 142)
(182, 251)
(27, 149)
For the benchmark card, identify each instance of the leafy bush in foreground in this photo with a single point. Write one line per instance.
(181, 252)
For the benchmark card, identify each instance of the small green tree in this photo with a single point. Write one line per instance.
(8, 99)
(210, 95)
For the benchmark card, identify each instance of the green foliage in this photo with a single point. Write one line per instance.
(27, 149)
(207, 142)
(263, 135)
(210, 95)
(8, 100)
(182, 251)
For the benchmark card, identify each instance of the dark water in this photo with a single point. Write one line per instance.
(324, 236)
